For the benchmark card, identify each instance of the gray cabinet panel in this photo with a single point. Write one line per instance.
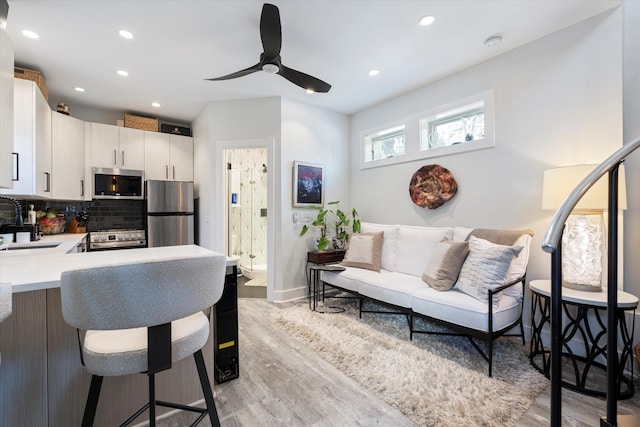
(23, 369)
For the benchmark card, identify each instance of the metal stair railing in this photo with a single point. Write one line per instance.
(551, 243)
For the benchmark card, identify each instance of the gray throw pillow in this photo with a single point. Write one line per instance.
(444, 265)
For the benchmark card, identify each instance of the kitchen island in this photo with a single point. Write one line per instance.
(42, 380)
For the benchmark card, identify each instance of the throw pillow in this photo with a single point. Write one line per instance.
(485, 268)
(445, 263)
(364, 251)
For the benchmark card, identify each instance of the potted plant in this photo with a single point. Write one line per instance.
(328, 219)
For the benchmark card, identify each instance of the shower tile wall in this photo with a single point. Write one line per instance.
(248, 216)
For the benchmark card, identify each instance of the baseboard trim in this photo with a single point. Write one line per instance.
(290, 295)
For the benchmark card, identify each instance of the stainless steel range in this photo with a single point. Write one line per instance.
(117, 239)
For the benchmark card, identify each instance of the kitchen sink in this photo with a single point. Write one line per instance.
(19, 246)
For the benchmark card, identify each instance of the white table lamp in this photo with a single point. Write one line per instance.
(583, 240)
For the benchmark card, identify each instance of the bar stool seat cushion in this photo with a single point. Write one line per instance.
(124, 351)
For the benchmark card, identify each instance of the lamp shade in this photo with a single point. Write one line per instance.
(559, 182)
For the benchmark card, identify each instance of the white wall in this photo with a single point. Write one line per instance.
(297, 132)
(558, 101)
(312, 135)
(631, 132)
(233, 124)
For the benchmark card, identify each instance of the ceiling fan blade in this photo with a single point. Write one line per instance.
(270, 31)
(252, 69)
(303, 80)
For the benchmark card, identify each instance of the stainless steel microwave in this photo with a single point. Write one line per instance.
(122, 184)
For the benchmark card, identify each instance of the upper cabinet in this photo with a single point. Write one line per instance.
(117, 147)
(168, 157)
(32, 142)
(6, 110)
(68, 142)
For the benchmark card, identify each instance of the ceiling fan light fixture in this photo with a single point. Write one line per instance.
(270, 68)
(310, 91)
(270, 60)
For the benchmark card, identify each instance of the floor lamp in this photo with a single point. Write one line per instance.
(583, 240)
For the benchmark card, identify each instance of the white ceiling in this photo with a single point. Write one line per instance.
(180, 43)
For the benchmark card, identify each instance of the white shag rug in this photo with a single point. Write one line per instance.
(433, 380)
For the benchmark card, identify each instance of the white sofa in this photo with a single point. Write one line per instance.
(406, 251)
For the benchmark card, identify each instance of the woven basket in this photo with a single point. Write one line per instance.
(34, 76)
(138, 122)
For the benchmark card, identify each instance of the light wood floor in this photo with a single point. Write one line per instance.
(282, 383)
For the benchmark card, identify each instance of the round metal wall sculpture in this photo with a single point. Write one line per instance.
(432, 186)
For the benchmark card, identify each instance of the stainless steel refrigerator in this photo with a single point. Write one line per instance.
(169, 213)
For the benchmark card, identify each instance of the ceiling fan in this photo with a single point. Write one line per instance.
(270, 61)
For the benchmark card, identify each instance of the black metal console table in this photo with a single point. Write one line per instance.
(584, 319)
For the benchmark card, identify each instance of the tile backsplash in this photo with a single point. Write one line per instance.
(103, 214)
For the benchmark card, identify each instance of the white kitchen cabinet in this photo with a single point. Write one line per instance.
(131, 148)
(32, 142)
(6, 110)
(67, 140)
(168, 157)
(117, 147)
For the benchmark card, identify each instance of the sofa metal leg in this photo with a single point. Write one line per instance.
(411, 327)
(490, 356)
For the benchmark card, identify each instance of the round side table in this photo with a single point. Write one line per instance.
(584, 327)
(314, 286)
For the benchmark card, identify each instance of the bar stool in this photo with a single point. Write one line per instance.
(5, 303)
(139, 318)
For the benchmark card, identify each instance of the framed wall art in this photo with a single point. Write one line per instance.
(308, 185)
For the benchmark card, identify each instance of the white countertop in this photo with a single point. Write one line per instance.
(599, 299)
(40, 268)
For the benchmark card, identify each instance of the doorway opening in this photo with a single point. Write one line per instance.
(246, 228)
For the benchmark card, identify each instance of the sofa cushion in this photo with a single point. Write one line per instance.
(444, 265)
(347, 279)
(485, 268)
(364, 251)
(386, 286)
(390, 287)
(389, 242)
(415, 246)
(461, 233)
(461, 309)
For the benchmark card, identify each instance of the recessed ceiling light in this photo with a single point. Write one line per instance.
(30, 34)
(374, 72)
(493, 41)
(311, 91)
(426, 20)
(155, 104)
(79, 89)
(123, 73)
(125, 34)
